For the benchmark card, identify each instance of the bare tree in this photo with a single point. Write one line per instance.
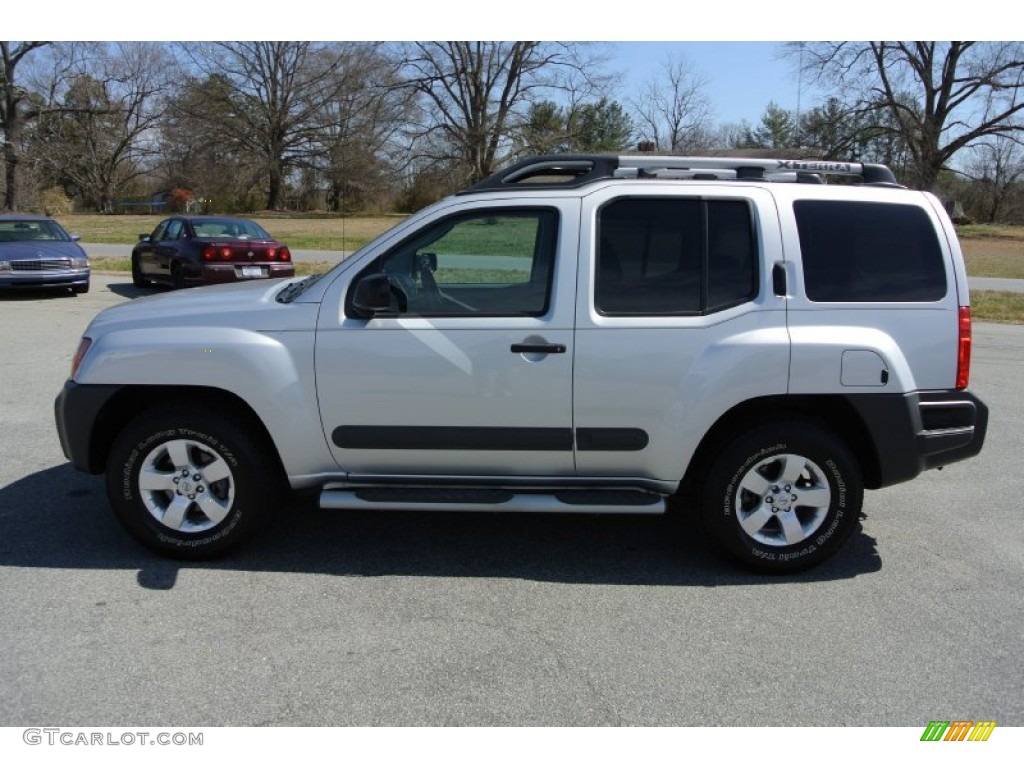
(996, 172)
(477, 94)
(100, 134)
(276, 93)
(673, 107)
(358, 143)
(13, 116)
(209, 162)
(941, 96)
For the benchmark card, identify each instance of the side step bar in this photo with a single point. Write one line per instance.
(494, 500)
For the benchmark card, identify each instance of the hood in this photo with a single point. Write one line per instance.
(248, 305)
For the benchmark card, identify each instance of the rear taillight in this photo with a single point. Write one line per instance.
(271, 254)
(83, 347)
(963, 352)
(285, 255)
(210, 253)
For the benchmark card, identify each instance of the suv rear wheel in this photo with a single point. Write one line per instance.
(783, 497)
(189, 482)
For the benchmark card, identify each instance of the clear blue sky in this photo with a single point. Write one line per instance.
(744, 76)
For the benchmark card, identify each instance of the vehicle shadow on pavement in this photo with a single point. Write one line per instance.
(129, 290)
(59, 518)
(36, 294)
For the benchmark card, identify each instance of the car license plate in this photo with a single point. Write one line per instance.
(252, 272)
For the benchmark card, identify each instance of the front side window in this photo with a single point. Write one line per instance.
(861, 251)
(159, 232)
(488, 263)
(674, 256)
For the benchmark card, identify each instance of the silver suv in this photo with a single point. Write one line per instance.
(574, 334)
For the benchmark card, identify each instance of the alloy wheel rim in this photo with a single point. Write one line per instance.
(783, 500)
(186, 486)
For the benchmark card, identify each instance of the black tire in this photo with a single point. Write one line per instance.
(137, 279)
(753, 493)
(210, 481)
(77, 289)
(177, 277)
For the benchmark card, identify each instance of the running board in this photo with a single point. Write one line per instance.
(612, 501)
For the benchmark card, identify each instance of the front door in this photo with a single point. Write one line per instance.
(470, 372)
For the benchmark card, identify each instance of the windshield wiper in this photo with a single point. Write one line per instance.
(292, 290)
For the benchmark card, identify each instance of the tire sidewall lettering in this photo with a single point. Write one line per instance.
(837, 468)
(130, 477)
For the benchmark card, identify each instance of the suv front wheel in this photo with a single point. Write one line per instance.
(189, 483)
(783, 497)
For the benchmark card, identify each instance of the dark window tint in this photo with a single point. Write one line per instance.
(732, 266)
(869, 252)
(158, 233)
(674, 256)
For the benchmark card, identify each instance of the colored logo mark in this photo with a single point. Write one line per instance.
(958, 730)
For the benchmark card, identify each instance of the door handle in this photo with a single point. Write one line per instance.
(541, 349)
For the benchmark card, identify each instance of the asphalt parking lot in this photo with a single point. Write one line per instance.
(336, 618)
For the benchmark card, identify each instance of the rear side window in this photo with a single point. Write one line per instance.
(855, 251)
(674, 256)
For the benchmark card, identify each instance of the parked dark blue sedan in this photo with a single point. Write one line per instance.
(36, 252)
(192, 250)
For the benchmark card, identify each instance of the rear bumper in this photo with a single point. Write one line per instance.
(922, 430)
(232, 273)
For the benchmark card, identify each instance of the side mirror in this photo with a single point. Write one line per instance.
(372, 295)
(143, 237)
(75, 238)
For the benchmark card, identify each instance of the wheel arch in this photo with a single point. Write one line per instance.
(132, 400)
(833, 413)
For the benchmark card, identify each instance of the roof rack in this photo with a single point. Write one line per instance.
(573, 171)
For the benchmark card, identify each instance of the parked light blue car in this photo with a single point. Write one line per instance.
(36, 252)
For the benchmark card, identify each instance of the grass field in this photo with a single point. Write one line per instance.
(299, 233)
(998, 307)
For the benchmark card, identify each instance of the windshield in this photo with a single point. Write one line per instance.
(237, 229)
(18, 230)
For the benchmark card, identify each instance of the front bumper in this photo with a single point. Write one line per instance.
(79, 414)
(43, 279)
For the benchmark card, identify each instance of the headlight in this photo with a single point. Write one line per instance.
(5, 266)
(79, 262)
(83, 347)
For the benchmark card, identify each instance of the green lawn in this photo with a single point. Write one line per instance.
(318, 233)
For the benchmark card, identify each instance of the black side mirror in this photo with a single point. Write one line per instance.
(372, 295)
(143, 237)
